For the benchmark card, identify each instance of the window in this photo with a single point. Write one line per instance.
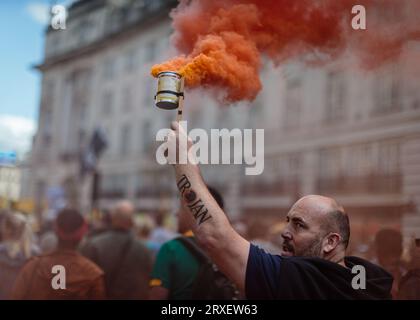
(83, 31)
(113, 185)
(336, 97)
(330, 169)
(151, 49)
(146, 136)
(293, 104)
(47, 128)
(388, 159)
(387, 92)
(360, 160)
(47, 111)
(127, 99)
(370, 167)
(149, 93)
(109, 68)
(147, 184)
(125, 141)
(107, 103)
(131, 60)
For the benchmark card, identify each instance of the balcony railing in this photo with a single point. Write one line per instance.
(371, 184)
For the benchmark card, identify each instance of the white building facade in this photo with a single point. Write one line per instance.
(328, 130)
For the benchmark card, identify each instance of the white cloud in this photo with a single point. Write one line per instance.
(40, 12)
(16, 134)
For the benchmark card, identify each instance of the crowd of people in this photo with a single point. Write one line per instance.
(124, 255)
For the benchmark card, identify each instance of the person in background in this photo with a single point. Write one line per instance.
(83, 279)
(176, 267)
(143, 226)
(123, 257)
(103, 224)
(388, 245)
(409, 288)
(259, 235)
(160, 233)
(15, 249)
(48, 242)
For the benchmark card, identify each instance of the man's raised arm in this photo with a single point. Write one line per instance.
(228, 250)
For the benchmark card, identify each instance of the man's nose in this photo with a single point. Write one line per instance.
(286, 235)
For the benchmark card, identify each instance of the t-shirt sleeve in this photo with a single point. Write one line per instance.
(161, 273)
(274, 277)
(262, 274)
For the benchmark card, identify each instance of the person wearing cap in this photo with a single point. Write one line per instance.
(78, 277)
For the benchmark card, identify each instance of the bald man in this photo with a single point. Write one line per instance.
(125, 259)
(122, 216)
(313, 264)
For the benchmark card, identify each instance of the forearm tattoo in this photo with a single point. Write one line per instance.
(194, 204)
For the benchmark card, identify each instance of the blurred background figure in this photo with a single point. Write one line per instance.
(48, 242)
(83, 279)
(16, 248)
(274, 234)
(240, 227)
(388, 244)
(161, 233)
(179, 270)
(100, 225)
(124, 258)
(409, 288)
(143, 227)
(259, 234)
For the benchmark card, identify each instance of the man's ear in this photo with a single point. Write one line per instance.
(331, 241)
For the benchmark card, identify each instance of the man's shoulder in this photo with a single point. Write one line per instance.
(32, 262)
(88, 266)
(175, 246)
(107, 239)
(102, 237)
(74, 260)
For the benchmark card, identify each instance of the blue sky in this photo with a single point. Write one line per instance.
(22, 32)
(22, 26)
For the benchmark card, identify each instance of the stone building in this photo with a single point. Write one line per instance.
(328, 130)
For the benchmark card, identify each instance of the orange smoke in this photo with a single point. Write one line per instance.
(221, 41)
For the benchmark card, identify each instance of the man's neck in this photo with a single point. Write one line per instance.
(337, 257)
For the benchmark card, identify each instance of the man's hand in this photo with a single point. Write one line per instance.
(183, 155)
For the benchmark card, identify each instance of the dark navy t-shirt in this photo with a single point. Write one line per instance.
(275, 277)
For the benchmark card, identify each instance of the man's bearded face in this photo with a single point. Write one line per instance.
(303, 235)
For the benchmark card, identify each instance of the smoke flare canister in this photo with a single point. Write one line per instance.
(169, 90)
